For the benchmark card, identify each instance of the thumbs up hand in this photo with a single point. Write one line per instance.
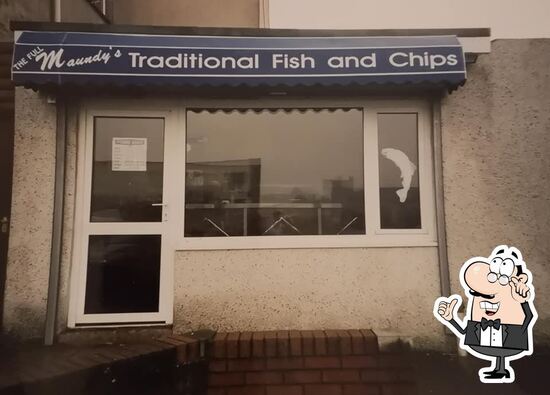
(446, 308)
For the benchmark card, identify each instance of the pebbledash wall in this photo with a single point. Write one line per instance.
(496, 139)
(496, 135)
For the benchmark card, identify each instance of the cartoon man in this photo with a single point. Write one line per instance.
(500, 315)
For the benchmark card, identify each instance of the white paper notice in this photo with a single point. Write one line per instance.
(129, 154)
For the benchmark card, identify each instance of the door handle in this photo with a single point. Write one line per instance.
(164, 210)
(4, 225)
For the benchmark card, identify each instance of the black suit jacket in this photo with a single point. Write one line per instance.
(513, 336)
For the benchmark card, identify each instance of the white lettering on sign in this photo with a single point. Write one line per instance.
(55, 59)
(194, 61)
(51, 59)
(341, 62)
(129, 154)
(20, 64)
(276, 62)
(433, 61)
(292, 62)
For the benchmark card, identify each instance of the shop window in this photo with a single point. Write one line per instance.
(273, 173)
(351, 176)
(398, 171)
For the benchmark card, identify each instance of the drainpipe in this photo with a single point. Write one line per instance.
(444, 279)
(263, 22)
(56, 10)
(57, 228)
(439, 200)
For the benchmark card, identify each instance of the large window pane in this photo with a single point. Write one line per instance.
(127, 169)
(398, 164)
(123, 274)
(274, 173)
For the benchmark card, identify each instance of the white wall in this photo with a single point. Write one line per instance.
(506, 18)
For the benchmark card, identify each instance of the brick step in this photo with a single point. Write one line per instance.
(294, 343)
(102, 369)
(336, 362)
(343, 375)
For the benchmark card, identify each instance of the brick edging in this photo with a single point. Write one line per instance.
(293, 343)
(323, 362)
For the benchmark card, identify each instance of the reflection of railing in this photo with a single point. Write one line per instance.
(280, 220)
(215, 225)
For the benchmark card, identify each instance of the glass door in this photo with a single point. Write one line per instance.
(124, 240)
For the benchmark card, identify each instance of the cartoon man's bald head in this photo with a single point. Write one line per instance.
(491, 284)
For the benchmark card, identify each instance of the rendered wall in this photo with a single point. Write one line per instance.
(390, 290)
(215, 13)
(31, 216)
(496, 139)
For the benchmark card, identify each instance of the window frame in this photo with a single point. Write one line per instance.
(374, 235)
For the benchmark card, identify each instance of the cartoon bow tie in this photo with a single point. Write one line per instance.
(486, 323)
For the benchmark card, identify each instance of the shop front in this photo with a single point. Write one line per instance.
(244, 179)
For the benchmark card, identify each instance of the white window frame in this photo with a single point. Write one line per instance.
(83, 228)
(374, 236)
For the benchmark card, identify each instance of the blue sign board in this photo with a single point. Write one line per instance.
(42, 57)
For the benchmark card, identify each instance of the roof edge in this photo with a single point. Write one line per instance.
(241, 31)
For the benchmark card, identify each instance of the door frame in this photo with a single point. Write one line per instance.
(84, 228)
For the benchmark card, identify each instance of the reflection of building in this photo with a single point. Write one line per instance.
(338, 190)
(230, 181)
(350, 200)
(344, 192)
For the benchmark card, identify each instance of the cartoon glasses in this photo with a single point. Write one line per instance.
(502, 279)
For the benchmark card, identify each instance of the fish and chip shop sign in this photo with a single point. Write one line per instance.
(45, 57)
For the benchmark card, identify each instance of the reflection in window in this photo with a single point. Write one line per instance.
(123, 274)
(252, 173)
(398, 171)
(127, 169)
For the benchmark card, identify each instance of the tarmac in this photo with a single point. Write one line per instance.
(450, 374)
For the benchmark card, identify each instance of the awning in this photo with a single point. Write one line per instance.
(68, 58)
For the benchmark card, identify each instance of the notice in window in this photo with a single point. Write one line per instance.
(129, 154)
